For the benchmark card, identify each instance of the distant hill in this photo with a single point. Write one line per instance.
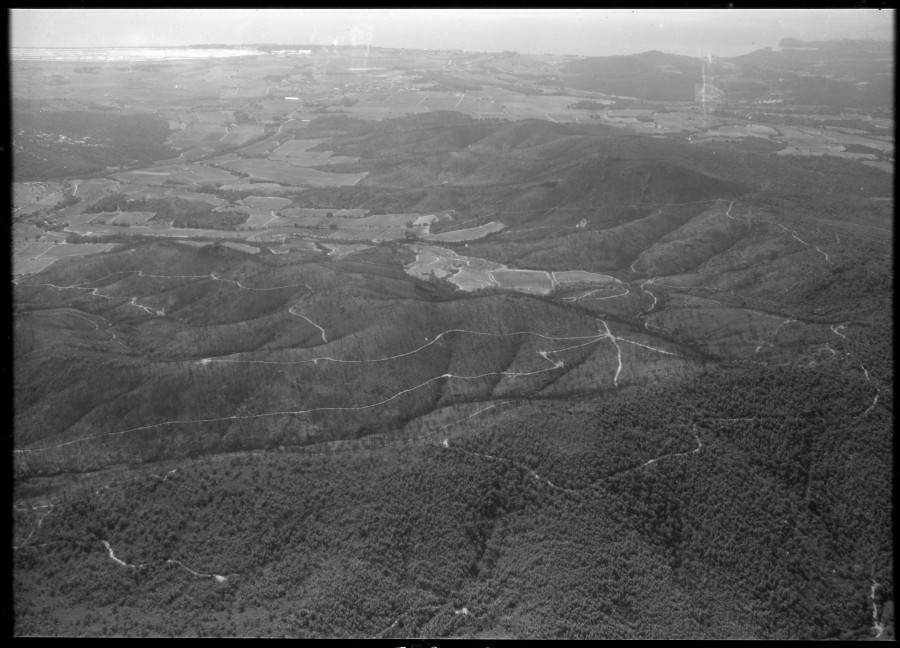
(840, 74)
(68, 143)
(652, 76)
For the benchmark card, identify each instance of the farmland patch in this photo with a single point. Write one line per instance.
(581, 276)
(530, 281)
(256, 188)
(23, 266)
(286, 174)
(296, 147)
(295, 246)
(265, 202)
(242, 247)
(304, 212)
(78, 249)
(472, 273)
(130, 218)
(468, 234)
(342, 250)
(28, 196)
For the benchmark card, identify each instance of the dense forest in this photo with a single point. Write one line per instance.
(738, 504)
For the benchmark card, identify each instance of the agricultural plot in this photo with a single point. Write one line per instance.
(91, 190)
(407, 97)
(193, 196)
(78, 249)
(472, 273)
(33, 257)
(144, 177)
(82, 219)
(320, 158)
(163, 231)
(375, 235)
(468, 234)
(296, 147)
(383, 227)
(259, 149)
(242, 247)
(144, 192)
(257, 188)
(735, 131)
(22, 230)
(814, 141)
(35, 194)
(259, 220)
(130, 218)
(554, 107)
(33, 249)
(535, 282)
(195, 135)
(22, 266)
(285, 174)
(294, 125)
(342, 250)
(264, 202)
(295, 246)
(272, 108)
(469, 273)
(378, 112)
(240, 135)
(207, 117)
(581, 277)
(308, 212)
(473, 103)
(427, 219)
(443, 101)
(203, 173)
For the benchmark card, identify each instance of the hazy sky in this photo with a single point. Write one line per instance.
(591, 32)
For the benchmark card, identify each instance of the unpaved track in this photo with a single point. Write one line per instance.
(446, 444)
(554, 365)
(219, 578)
(321, 330)
(586, 296)
(877, 626)
(677, 454)
(434, 340)
(615, 341)
(793, 233)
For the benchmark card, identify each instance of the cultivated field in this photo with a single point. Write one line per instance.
(286, 174)
(469, 234)
(472, 273)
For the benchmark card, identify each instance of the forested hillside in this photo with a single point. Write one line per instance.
(407, 345)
